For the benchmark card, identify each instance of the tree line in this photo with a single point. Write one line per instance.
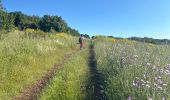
(151, 40)
(47, 23)
(139, 39)
(146, 39)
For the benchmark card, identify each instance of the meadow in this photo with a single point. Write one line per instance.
(133, 70)
(26, 56)
(114, 69)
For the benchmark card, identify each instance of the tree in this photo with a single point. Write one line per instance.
(72, 31)
(22, 21)
(53, 22)
(86, 36)
(18, 19)
(32, 22)
(151, 40)
(6, 21)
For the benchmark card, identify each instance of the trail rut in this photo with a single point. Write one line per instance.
(31, 92)
(96, 84)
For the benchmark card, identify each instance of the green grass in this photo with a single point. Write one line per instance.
(126, 63)
(69, 82)
(25, 60)
(130, 69)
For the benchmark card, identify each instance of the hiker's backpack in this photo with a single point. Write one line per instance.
(80, 40)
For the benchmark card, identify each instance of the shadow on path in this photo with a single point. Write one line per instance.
(96, 85)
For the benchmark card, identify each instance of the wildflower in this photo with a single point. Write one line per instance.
(163, 98)
(157, 69)
(168, 65)
(129, 98)
(161, 70)
(138, 82)
(134, 83)
(155, 84)
(136, 56)
(142, 81)
(153, 67)
(160, 81)
(147, 85)
(164, 84)
(149, 98)
(157, 78)
(145, 74)
(167, 72)
(136, 77)
(148, 64)
(159, 87)
(147, 82)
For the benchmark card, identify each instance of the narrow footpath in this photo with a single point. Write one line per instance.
(31, 92)
(96, 85)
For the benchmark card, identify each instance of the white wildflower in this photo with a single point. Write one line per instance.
(164, 84)
(149, 98)
(148, 64)
(147, 85)
(161, 70)
(163, 98)
(159, 87)
(148, 82)
(129, 98)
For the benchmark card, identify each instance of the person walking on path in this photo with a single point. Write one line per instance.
(81, 41)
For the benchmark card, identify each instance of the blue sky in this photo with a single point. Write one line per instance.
(122, 18)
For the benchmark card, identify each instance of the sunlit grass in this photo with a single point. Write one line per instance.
(23, 60)
(135, 70)
(70, 81)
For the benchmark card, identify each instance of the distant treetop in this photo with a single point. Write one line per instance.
(22, 21)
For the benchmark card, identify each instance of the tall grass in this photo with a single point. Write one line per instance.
(23, 60)
(70, 81)
(132, 70)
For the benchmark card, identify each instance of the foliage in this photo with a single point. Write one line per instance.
(52, 22)
(6, 21)
(23, 21)
(86, 36)
(150, 40)
(46, 23)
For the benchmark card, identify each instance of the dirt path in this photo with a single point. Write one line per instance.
(32, 91)
(96, 84)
